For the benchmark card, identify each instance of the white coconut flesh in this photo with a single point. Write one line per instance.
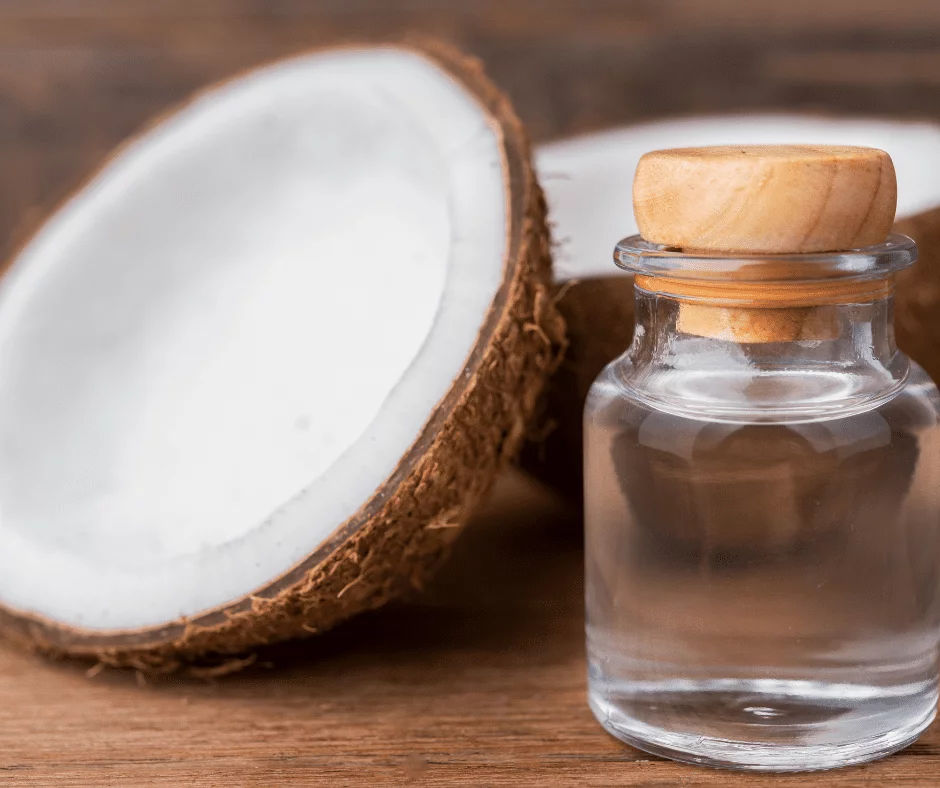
(588, 180)
(221, 347)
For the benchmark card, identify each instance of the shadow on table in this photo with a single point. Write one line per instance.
(515, 575)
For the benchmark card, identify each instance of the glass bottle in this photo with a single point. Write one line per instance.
(763, 514)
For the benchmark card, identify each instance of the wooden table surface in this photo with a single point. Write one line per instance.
(480, 680)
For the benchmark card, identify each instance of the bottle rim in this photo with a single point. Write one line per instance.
(639, 256)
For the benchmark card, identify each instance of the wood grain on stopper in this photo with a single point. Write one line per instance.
(765, 199)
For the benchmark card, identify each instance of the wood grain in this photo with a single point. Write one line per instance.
(765, 199)
(479, 681)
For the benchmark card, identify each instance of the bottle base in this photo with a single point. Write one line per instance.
(766, 725)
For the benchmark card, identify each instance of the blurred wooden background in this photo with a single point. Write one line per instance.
(78, 76)
(480, 681)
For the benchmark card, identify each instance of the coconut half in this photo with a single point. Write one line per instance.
(254, 375)
(588, 182)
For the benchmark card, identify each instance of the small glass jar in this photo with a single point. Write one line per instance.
(762, 485)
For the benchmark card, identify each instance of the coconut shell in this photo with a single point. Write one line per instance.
(402, 533)
(599, 314)
(917, 299)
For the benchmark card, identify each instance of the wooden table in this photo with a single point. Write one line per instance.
(479, 681)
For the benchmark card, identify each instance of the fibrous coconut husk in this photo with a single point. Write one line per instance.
(402, 532)
(917, 298)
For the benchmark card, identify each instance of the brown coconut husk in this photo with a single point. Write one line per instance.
(917, 298)
(599, 314)
(402, 533)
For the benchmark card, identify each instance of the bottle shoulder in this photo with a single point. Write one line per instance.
(738, 393)
(919, 399)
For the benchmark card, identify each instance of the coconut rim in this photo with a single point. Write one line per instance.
(512, 142)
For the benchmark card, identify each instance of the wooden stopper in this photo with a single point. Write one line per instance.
(765, 199)
(752, 200)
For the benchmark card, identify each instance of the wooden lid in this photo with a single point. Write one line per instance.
(771, 199)
(775, 199)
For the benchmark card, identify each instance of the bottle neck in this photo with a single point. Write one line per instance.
(790, 362)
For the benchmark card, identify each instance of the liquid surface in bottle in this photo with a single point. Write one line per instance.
(763, 594)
